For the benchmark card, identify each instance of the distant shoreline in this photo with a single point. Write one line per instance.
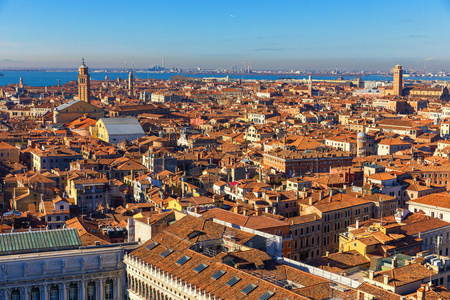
(205, 72)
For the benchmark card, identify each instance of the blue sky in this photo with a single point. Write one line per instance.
(299, 35)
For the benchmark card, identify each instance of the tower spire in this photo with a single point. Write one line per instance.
(84, 85)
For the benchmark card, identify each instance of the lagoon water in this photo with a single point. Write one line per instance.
(50, 78)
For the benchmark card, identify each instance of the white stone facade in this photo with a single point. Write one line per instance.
(92, 273)
(147, 282)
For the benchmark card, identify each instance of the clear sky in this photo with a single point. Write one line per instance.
(299, 35)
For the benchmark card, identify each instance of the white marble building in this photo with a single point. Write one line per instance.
(93, 273)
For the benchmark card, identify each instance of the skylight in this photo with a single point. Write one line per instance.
(232, 281)
(218, 274)
(200, 268)
(183, 260)
(249, 288)
(266, 295)
(166, 253)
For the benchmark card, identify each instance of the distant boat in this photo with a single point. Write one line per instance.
(1, 74)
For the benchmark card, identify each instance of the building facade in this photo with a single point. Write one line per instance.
(66, 273)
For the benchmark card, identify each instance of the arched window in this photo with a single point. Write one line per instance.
(35, 294)
(15, 295)
(54, 293)
(91, 291)
(109, 287)
(73, 291)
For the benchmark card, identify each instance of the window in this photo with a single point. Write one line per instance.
(35, 294)
(109, 288)
(15, 295)
(54, 293)
(249, 288)
(73, 292)
(91, 291)
(200, 268)
(218, 274)
(232, 281)
(183, 260)
(268, 295)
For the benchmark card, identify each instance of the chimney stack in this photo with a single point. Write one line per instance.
(386, 279)
(421, 293)
(394, 262)
(357, 224)
(371, 273)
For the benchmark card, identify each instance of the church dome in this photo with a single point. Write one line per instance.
(361, 135)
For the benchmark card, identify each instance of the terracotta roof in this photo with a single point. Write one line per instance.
(437, 200)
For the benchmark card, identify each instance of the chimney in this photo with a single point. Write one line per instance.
(320, 195)
(421, 293)
(310, 201)
(371, 272)
(394, 262)
(327, 253)
(244, 212)
(197, 209)
(357, 224)
(236, 209)
(386, 279)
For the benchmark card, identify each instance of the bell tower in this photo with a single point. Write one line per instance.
(84, 85)
(398, 81)
(130, 84)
